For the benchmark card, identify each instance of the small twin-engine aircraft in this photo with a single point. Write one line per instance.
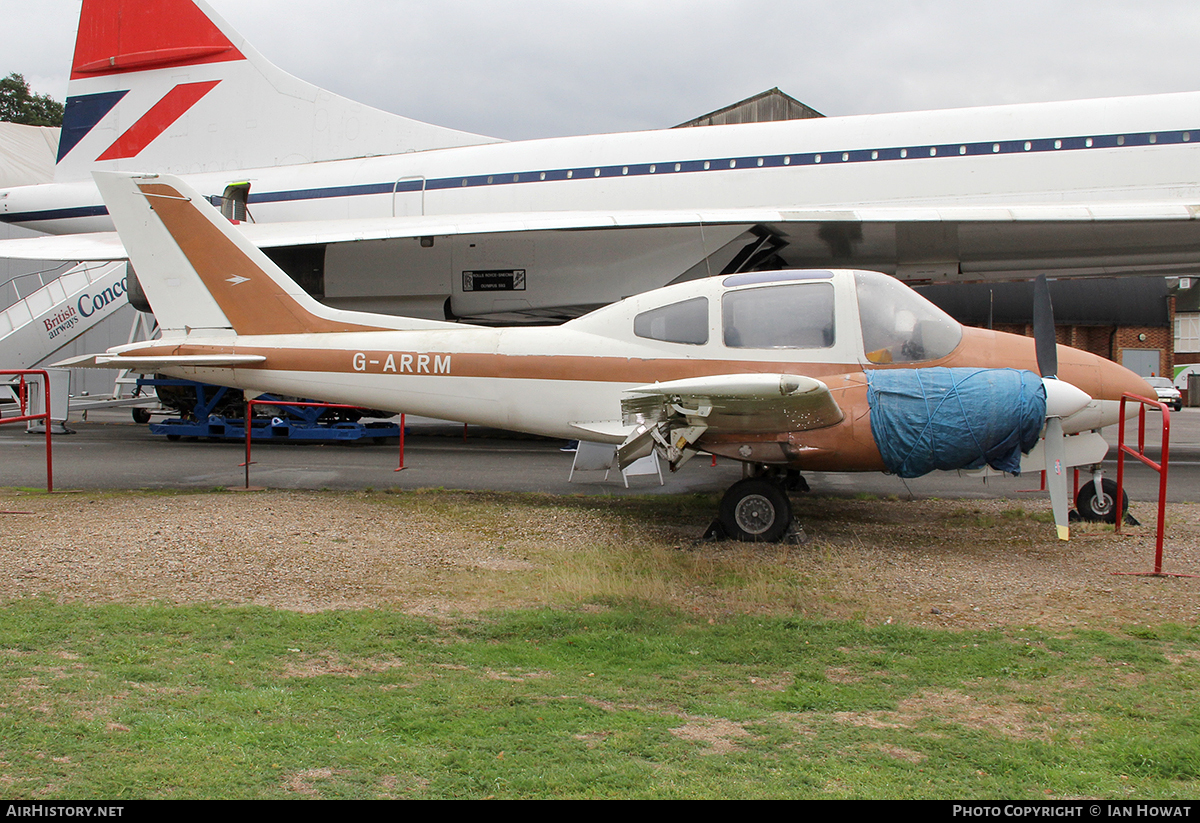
(783, 370)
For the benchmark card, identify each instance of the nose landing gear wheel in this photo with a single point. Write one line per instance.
(755, 510)
(1100, 508)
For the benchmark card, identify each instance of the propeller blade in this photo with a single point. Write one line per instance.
(1056, 474)
(1043, 328)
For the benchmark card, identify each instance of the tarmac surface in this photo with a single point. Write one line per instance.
(110, 451)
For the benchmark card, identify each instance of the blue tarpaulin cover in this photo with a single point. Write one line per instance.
(944, 419)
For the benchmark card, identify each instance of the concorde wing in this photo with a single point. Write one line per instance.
(676, 413)
(928, 242)
(93, 247)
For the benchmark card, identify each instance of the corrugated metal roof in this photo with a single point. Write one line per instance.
(766, 107)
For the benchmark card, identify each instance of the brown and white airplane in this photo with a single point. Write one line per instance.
(784, 371)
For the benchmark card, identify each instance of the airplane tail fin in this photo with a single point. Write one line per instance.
(200, 273)
(169, 85)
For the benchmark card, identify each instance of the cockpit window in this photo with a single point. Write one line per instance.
(684, 322)
(900, 326)
(795, 316)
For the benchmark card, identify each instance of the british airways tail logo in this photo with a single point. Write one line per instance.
(82, 113)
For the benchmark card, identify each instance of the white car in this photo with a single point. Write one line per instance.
(1167, 393)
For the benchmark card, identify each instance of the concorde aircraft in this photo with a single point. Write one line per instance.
(384, 212)
(824, 370)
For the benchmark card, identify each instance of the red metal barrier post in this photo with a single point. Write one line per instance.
(246, 421)
(250, 404)
(23, 397)
(1140, 454)
(401, 466)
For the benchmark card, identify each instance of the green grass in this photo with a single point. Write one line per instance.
(610, 699)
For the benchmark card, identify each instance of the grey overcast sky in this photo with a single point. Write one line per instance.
(534, 68)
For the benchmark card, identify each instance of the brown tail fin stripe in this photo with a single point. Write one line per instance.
(252, 300)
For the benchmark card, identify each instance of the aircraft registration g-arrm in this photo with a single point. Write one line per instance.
(828, 370)
(398, 216)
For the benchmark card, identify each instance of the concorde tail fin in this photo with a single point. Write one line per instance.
(199, 272)
(169, 85)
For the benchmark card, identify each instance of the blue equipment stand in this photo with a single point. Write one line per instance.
(300, 423)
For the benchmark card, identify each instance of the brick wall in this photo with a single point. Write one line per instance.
(1110, 341)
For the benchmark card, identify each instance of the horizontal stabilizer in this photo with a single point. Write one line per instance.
(139, 363)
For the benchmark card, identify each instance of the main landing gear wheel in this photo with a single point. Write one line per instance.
(755, 510)
(1100, 508)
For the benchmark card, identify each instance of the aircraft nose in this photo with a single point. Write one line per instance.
(1116, 380)
(1105, 381)
(1098, 376)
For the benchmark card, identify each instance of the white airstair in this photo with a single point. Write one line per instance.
(36, 326)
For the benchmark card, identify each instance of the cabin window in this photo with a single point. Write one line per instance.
(795, 316)
(899, 325)
(684, 322)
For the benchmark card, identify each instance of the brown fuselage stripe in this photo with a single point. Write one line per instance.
(506, 366)
(1100, 378)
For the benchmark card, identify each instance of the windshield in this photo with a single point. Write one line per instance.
(1160, 382)
(899, 325)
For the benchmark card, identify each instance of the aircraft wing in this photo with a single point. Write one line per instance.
(676, 413)
(736, 402)
(918, 242)
(93, 247)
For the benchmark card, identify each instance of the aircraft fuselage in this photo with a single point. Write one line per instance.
(1138, 149)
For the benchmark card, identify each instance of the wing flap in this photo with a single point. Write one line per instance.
(602, 431)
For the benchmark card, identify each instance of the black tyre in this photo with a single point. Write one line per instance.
(755, 510)
(141, 415)
(1100, 508)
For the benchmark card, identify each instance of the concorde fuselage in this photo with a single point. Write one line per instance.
(1090, 152)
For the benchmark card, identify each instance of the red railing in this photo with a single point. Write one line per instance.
(1140, 454)
(25, 417)
(250, 404)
